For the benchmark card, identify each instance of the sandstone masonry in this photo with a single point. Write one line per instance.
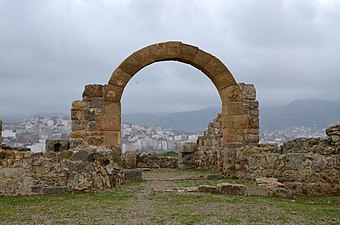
(305, 165)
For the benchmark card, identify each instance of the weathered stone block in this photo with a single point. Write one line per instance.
(53, 190)
(57, 145)
(112, 108)
(133, 175)
(231, 189)
(231, 94)
(130, 159)
(77, 114)
(165, 51)
(233, 135)
(78, 125)
(144, 56)
(201, 60)
(253, 122)
(188, 147)
(130, 65)
(188, 53)
(207, 188)
(96, 102)
(235, 121)
(112, 138)
(112, 123)
(232, 108)
(248, 91)
(94, 140)
(84, 155)
(120, 78)
(251, 138)
(93, 91)
(215, 67)
(256, 191)
(112, 93)
(77, 142)
(91, 126)
(79, 105)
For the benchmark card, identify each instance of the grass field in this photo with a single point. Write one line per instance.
(156, 202)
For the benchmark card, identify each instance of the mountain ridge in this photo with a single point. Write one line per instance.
(314, 113)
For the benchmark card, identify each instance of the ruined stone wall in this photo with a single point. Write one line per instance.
(305, 165)
(213, 152)
(25, 172)
(209, 148)
(90, 125)
(148, 160)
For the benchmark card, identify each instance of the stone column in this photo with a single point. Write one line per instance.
(251, 109)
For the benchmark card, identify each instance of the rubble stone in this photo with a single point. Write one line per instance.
(231, 189)
(207, 188)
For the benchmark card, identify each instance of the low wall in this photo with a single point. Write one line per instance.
(26, 173)
(302, 171)
(147, 160)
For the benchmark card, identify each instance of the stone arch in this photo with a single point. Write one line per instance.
(99, 114)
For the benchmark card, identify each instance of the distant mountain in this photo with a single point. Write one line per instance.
(20, 118)
(190, 121)
(313, 113)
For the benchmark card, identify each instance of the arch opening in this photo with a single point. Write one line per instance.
(154, 96)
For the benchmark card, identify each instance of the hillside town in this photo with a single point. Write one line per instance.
(281, 136)
(33, 132)
(145, 138)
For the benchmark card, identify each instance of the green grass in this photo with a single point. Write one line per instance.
(138, 203)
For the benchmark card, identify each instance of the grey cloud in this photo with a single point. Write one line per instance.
(50, 49)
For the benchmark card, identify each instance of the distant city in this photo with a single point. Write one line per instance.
(33, 132)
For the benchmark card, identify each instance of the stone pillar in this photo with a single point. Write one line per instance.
(96, 119)
(85, 114)
(240, 126)
(251, 110)
(112, 114)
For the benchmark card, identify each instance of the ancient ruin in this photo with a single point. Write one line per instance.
(91, 160)
(96, 119)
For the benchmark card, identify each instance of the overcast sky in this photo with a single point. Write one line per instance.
(50, 49)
